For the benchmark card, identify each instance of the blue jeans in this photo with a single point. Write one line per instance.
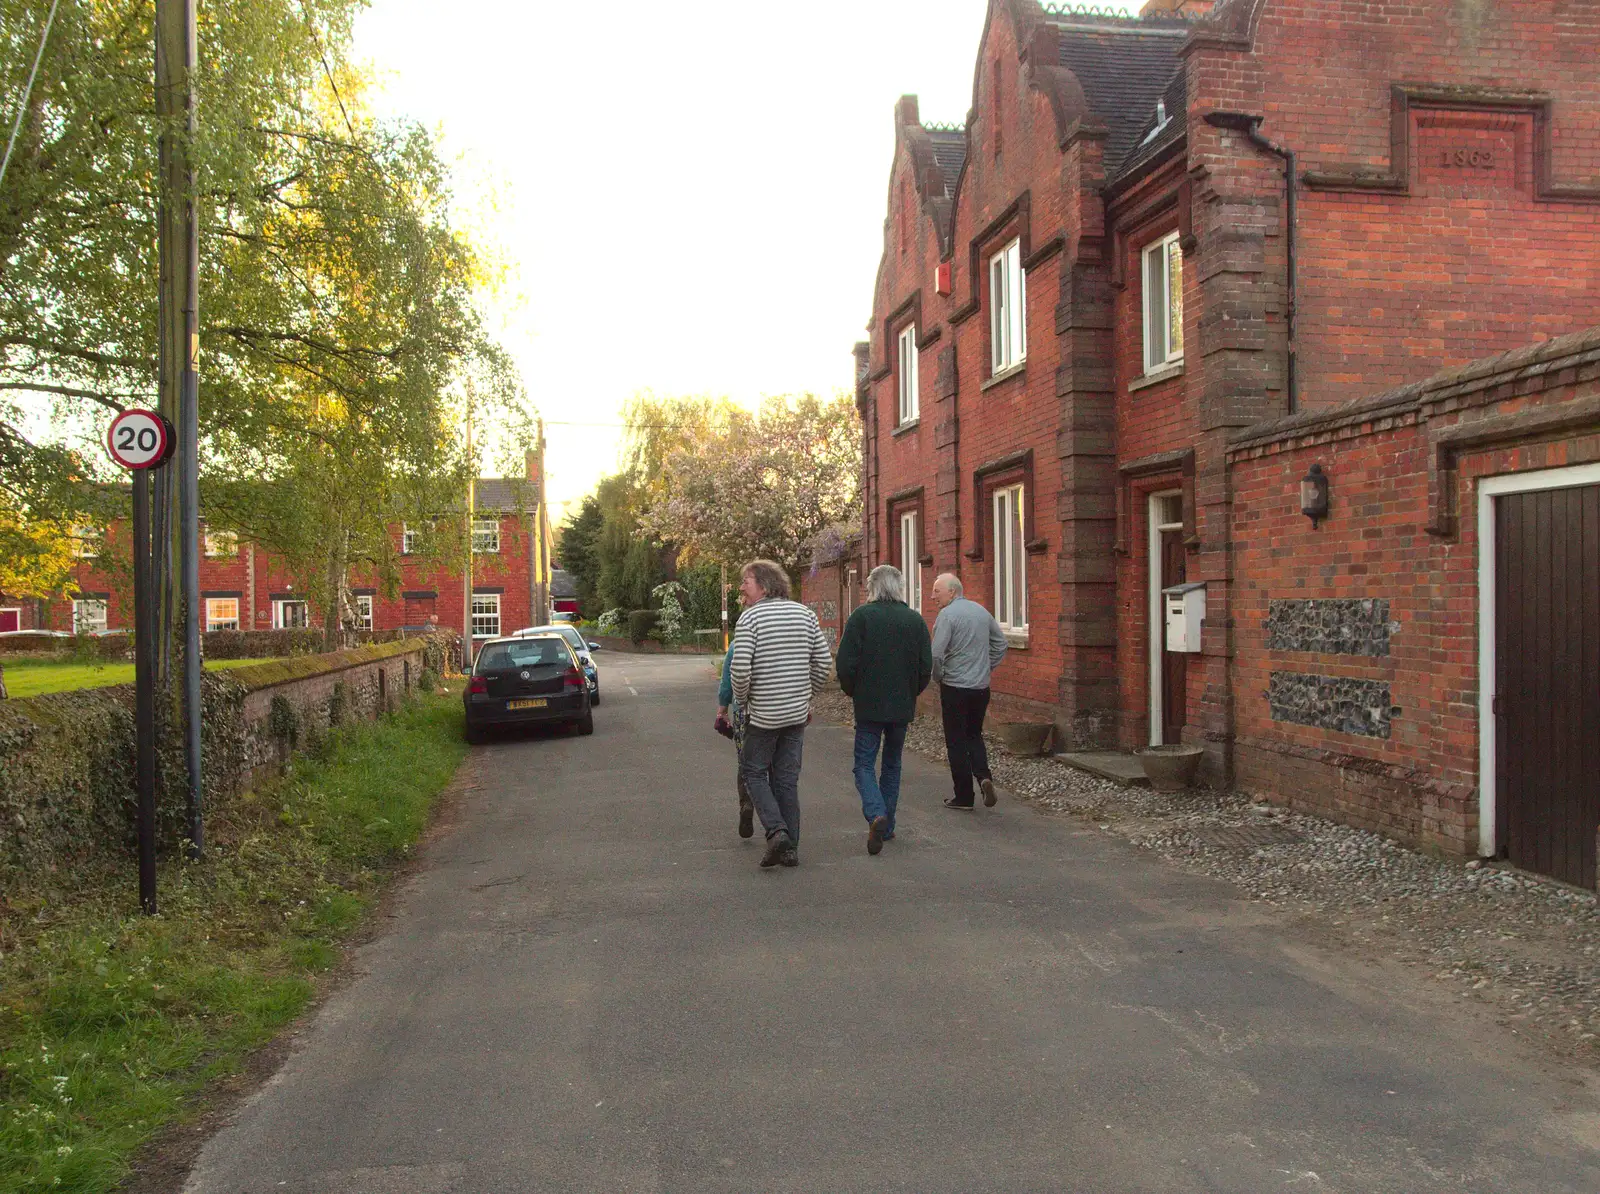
(879, 793)
(770, 767)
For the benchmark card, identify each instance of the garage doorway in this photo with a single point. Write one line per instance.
(1539, 715)
(1167, 564)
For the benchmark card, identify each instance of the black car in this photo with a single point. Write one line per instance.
(522, 681)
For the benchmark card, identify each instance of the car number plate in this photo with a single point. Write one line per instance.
(538, 704)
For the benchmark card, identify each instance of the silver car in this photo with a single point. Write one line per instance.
(581, 647)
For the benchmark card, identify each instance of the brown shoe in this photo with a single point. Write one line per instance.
(987, 785)
(875, 832)
(747, 823)
(777, 846)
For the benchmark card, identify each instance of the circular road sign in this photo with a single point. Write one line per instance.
(140, 439)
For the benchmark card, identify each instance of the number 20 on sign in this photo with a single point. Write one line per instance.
(140, 439)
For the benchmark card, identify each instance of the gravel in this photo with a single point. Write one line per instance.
(1528, 948)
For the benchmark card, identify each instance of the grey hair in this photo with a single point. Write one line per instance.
(951, 582)
(884, 583)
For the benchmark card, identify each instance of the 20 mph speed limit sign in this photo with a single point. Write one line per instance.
(140, 439)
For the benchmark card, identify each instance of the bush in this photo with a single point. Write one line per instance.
(611, 622)
(260, 644)
(640, 623)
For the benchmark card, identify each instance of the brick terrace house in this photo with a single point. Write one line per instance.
(245, 588)
(1169, 263)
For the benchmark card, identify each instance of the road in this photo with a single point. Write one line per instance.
(591, 986)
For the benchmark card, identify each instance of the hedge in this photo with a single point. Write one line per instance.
(640, 623)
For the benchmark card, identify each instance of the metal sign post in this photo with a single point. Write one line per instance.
(141, 440)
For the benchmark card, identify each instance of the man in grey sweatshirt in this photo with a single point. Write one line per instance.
(967, 645)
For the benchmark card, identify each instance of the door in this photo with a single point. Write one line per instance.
(1547, 680)
(1174, 664)
(10, 619)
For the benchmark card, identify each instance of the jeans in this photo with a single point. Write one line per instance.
(770, 768)
(879, 793)
(963, 710)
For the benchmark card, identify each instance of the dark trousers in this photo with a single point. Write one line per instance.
(770, 768)
(963, 710)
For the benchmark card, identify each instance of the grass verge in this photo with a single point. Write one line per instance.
(111, 1022)
(36, 677)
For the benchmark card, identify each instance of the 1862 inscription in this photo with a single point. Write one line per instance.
(1461, 157)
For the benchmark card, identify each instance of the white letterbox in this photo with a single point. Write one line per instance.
(1186, 609)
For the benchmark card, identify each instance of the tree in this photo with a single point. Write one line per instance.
(764, 484)
(578, 550)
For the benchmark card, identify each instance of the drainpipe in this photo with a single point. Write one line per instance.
(1250, 126)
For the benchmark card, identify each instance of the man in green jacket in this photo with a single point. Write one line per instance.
(885, 659)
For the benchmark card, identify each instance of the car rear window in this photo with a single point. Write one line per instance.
(538, 652)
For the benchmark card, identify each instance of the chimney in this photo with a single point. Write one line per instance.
(905, 111)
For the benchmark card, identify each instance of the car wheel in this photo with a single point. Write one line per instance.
(474, 734)
(586, 724)
(594, 697)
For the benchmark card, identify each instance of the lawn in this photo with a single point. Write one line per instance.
(112, 1023)
(34, 677)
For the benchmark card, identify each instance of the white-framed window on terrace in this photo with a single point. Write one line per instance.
(485, 615)
(1163, 303)
(290, 614)
(908, 373)
(88, 615)
(1010, 561)
(408, 540)
(1008, 309)
(221, 544)
(222, 613)
(363, 604)
(85, 542)
(486, 534)
(910, 566)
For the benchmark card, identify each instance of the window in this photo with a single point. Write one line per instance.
(1010, 561)
(1163, 303)
(910, 549)
(88, 615)
(485, 615)
(222, 613)
(85, 543)
(408, 540)
(908, 373)
(221, 543)
(1008, 308)
(290, 615)
(486, 535)
(363, 604)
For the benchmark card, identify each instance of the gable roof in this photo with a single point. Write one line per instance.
(949, 153)
(504, 493)
(1123, 66)
(1154, 136)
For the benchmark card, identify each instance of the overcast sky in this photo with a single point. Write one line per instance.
(689, 194)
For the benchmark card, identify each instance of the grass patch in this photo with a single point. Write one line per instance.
(111, 1022)
(36, 677)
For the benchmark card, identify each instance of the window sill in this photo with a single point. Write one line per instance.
(1016, 638)
(1005, 374)
(912, 425)
(1165, 373)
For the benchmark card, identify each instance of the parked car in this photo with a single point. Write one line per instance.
(525, 680)
(581, 646)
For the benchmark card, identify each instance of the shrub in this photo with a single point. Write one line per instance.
(260, 644)
(611, 622)
(640, 623)
(672, 624)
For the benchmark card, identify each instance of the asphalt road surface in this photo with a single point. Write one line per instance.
(592, 987)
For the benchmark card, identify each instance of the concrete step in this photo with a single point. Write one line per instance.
(1119, 768)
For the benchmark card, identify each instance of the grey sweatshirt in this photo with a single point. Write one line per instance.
(967, 645)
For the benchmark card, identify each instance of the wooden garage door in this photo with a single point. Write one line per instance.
(1547, 680)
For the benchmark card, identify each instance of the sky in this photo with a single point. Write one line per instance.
(688, 196)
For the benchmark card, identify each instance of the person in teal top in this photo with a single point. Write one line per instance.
(885, 659)
(729, 711)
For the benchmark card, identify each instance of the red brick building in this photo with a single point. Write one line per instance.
(1153, 241)
(243, 587)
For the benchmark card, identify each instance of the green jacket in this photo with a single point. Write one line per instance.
(885, 659)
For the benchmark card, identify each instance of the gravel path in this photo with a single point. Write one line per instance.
(1528, 948)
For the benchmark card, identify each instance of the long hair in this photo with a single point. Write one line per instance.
(772, 578)
(885, 583)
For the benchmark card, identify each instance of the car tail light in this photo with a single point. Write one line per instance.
(572, 678)
(478, 684)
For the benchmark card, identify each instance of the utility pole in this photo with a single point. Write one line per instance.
(175, 60)
(466, 595)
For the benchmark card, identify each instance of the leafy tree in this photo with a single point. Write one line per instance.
(578, 551)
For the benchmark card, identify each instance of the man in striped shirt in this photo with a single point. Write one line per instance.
(779, 660)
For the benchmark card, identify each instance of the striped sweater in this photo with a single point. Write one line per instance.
(779, 659)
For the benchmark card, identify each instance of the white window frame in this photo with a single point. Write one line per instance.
(1008, 309)
(365, 604)
(907, 377)
(279, 604)
(220, 544)
(486, 536)
(1007, 504)
(408, 540)
(85, 543)
(910, 563)
(214, 619)
(486, 613)
(83, 605)
(1160, 296)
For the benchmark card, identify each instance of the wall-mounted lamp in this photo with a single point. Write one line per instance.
(1314, 494)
